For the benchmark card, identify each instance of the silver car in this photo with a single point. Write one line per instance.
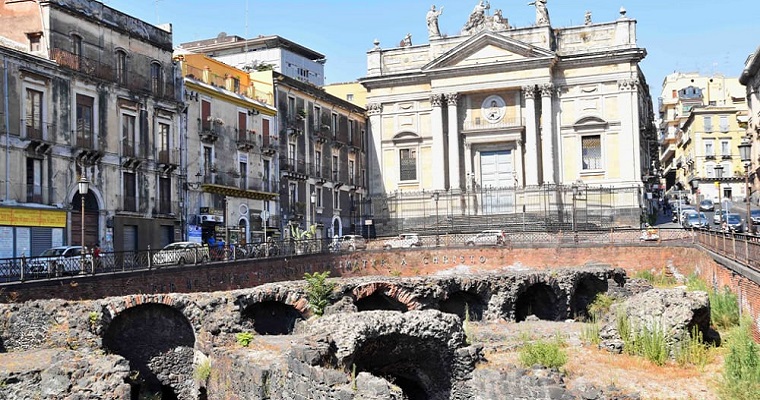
(404, 240)
(58, 261)
(350, 243)
(180, 253)
(491, 237)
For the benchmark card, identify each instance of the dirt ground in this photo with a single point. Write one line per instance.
(588, 365)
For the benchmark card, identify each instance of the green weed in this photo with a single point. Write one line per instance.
(318, 291)
(546, 353)
(203, 370)
(244, 338)
(741, 368)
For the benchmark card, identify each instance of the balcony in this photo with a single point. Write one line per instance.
(35, 133)
(209, 130)
(168, 160)
(86, 66)
(293, 169)
(481, 124)
(246, 140)
(269, 145)
(84, 145)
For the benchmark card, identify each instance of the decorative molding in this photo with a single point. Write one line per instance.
(529, 92)
(374, 109)
(547, 89)
(452, 99)
(628, 84)
(436, 100)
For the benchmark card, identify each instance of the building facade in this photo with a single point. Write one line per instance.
(103, 106)
(230, 181)
(512, 109)
(750, 78)
(720, 107)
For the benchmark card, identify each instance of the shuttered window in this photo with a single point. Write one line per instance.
(408, 164)
(592, 152)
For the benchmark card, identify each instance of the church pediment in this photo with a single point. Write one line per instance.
(488, 48)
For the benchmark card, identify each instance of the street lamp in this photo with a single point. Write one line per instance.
(719, 174)
(84, 187)
(437, 233)
(745, 150)
(313, 208)
(575, 194)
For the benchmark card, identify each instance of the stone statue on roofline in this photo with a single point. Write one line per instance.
(432, 22)
(477, 19)
(542, 13)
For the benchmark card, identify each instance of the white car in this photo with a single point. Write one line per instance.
(404, 240)
(58, 261)
(181, 253)
(490, 237)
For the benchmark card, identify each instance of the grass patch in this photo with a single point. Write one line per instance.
(601, 305)
(590, 332)
(741, 368)
(546, 353)
(643, 341)
(658, 279)
(202, 370)
(694, 351)
(724, 309)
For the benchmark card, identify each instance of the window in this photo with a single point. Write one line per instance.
(318, 192)
(128, 135)
(318, 163)
(724, 123)
(165, 195)
(317, 118)
(725, 148)
(408, 164)
(130, 198)
(591, 148)
(292, 193)
(266, 170)
(292, 153)
(121, 67)
(205, 115)
(156, 78)
(243, 126)
(336, 199)
(208, 163)
(76, 46)
(334, 124)
(709, 152)
(351, 172)
(84, 121)
(291, 107)
(708, 123)
(351, 128)
(33, 180)
(163, 143)
(35, 41)
(710, 171)
(33, 114)
(335, 168)
(243, 171)
(350, 97)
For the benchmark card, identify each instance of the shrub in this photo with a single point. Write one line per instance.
(693, 350)
(546, 353)
(318, 291)
(244, 338)
(643, 341)
(202, 370)
(724, 309)
(741, 369)
(600, 306)
(659, 279)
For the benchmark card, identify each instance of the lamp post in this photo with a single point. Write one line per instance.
(575, 193)
(744, 151)
(719, 174)
(313, 207)
(84, 187)
(437, 233)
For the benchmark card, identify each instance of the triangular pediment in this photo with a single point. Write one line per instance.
(488, 48)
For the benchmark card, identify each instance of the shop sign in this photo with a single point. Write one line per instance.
(32, 217)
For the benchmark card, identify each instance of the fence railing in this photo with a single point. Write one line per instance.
(41, 268)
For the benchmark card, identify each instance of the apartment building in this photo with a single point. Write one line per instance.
(750, 78)
(92, 94)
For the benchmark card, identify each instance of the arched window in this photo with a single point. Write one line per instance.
(156, 78)
(121, 67)
(76, 45)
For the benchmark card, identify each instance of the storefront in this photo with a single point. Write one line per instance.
(30, 231)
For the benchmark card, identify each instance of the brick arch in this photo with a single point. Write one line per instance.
(118, 305)
(391, 290)
(278, 294)
(540, 295)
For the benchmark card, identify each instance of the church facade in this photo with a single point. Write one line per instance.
(511, 111)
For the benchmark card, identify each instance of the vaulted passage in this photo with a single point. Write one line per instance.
(586, 290)
(158, 341)
(539, 300)
(272, 317)
(379, 301)
(460, 302)
(421, 368)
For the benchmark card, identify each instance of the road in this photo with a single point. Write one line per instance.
(664, 221)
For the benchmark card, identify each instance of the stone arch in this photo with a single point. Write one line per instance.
(585, 290)
(336, 226)
(384, 296)
(93, 207)
(245, 227)
(461, 301)
(271, 317)
(539, 299)
(158, 340)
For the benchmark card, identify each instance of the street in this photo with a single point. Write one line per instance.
(664, 220)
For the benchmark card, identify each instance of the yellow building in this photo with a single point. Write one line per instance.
(352, 92)
(494, 115)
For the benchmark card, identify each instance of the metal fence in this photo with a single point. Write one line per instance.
(742, 248)
(547, 208)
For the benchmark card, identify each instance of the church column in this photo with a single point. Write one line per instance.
(439, 178)
(531, 137)
(547, 134)
(627, 154)
(454, 168)
(374, 111)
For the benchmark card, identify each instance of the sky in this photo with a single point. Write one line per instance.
(705, 36)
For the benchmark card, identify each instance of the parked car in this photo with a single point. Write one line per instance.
(734, 223)
(696, 220)
(678, 208)
(59, 261)
(719, 217)
(404, 240)
(350, 243)
(706, 205)
(684, 211)
(490, 237)
(755, 215)
(180, 253)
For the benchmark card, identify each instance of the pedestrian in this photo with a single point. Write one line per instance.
(96, 256)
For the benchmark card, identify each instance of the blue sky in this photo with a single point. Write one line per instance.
(705, 36)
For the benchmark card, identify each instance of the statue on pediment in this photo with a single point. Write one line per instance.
(477, 19)
(542, 13)
(432, 21)
(497, 22)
